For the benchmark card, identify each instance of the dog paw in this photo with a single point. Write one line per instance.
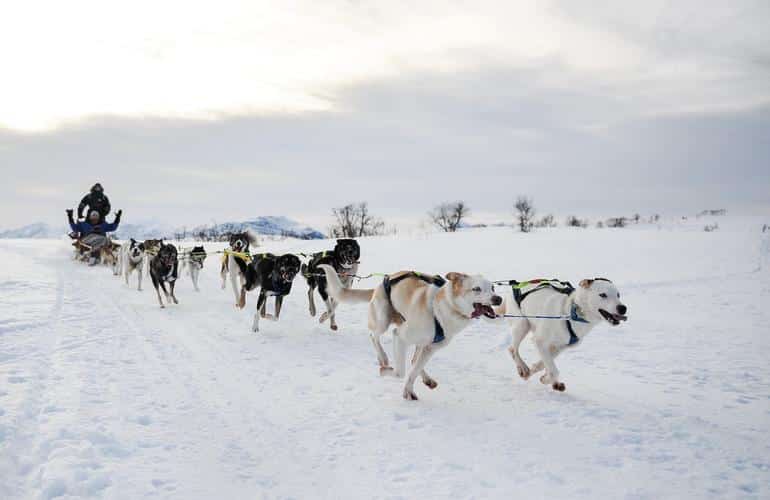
(386, 370)
(176, 301)
(334, 327)
(523, 372)
(558, 386)
(323, 317)
(410, 395)
(432, 384)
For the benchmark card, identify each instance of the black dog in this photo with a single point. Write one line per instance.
(236, 264)
(163, 269)
(344, 260)
(274, 276)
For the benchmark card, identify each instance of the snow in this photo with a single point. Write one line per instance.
(103, 394)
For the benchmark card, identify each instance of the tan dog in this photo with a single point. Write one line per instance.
(426, 310)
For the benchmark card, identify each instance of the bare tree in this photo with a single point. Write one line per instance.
(573, 221)
(449, 215)
(546, 221)
(354, 220)
(525, 213)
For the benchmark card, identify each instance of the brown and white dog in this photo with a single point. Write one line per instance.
(426, 310)
(110, 256)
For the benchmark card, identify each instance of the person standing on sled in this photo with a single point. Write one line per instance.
(94, 231)
(95, 200)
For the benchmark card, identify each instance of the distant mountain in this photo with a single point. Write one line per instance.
(143, 231)
(268, 225)
(39, 230)
(271, 224)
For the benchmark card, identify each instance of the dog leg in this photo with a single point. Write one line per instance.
(536, 368)
(399, 353)
(426, 379)
(331, 305)
(519, 332)
(551, 375)
(260, 305)
(195, 273)
(139, 279)
(241, 302)
(417, 368)
(278, 304)
(234, 277)
(172, 285)
(157, 290)
(311, 302)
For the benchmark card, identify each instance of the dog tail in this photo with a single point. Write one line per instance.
(341, 294)
(252, 237)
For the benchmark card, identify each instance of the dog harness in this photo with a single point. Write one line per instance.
(563, 287)
(437, 281)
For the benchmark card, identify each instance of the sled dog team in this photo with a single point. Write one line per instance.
(425, 311)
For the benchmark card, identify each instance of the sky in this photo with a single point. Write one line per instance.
(193, 112)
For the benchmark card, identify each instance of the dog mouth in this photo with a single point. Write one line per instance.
(480, 309)
(613, 319)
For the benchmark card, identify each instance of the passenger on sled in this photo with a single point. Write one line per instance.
(93, 232)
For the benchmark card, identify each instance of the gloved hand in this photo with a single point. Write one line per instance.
(118, 214)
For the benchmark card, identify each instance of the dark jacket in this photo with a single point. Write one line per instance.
(95, 200)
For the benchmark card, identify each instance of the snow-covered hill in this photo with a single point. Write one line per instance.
(103, 394)
(38, 230)
(267, 225)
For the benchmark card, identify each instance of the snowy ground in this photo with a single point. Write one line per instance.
(103, 394)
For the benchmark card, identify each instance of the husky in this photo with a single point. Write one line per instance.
(274, 276)
(164, 268)
(194, 262)
(109, 255)
(427, 311)
(592, 303)
(235, 265)
(132, 259)
(344, 260)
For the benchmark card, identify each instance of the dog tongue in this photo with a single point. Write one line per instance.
(481, 310)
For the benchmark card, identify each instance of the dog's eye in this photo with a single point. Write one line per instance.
(603, 295)
(477, 289)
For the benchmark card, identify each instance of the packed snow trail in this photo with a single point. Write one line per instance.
(103, 394)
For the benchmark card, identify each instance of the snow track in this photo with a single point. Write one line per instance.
(102, 394)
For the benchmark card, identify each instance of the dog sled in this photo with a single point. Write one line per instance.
(107, 253)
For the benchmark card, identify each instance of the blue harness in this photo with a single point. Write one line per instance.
(387, 285)
(574, 316)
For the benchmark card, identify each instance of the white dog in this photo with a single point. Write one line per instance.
(427, 311)
(193, 262)
(235, 263)
(132, 259)
(594, 301)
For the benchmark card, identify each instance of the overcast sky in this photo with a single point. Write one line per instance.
(190, 111)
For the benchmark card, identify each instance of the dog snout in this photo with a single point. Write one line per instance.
(496, 300)
(622, 310)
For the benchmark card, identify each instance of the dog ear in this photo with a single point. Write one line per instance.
(456, 276)
(586, 283)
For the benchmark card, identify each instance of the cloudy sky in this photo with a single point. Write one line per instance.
(190, 112)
